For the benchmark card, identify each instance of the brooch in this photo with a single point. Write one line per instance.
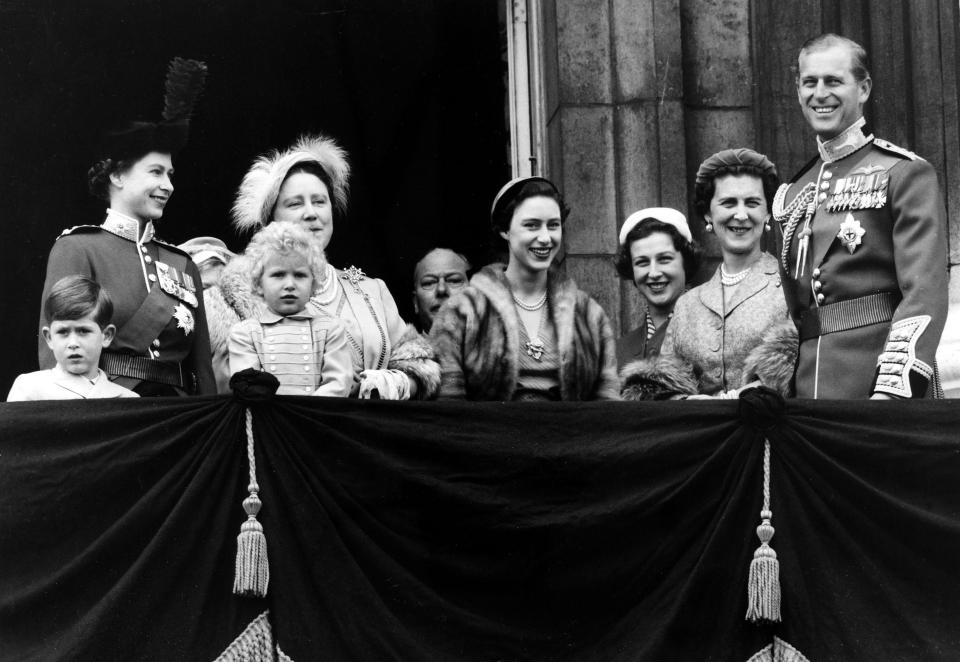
(353, 274)
(184, 318)
(851, 233)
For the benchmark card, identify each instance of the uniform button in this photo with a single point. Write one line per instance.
(827, 174)
(822, 197)
(147, 259)
(153, 279)
(820, 298)
(306, 357)
(156, 342)
(817, 286)
(824, 185)
(816, 273)
(143, 248)
(307, 389)
(306, 368)
(273, 368)
(715, 348)
(273, 357)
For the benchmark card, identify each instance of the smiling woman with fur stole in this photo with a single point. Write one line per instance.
(523, 331)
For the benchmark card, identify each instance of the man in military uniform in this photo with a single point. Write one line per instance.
(864, 261)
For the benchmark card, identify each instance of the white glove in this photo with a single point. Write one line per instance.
(384, 385)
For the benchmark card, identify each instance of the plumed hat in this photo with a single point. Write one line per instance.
(731, 158)
(185, 80)
(260, 187)
(663, 214)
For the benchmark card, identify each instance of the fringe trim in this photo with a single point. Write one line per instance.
(255, 643)
(778, 651)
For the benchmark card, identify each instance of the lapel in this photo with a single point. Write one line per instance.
(711, 293)
(757, 280)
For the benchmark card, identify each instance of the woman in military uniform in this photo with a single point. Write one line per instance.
(161, 347)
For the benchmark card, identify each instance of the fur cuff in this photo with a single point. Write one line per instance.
(414, 356)
(657, 378)
(773, 361)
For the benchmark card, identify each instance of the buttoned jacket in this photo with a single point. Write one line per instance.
(166, 328)
(715, 338)
(879, 226)
(308, 353)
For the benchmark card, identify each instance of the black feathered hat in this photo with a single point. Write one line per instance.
(185, 79)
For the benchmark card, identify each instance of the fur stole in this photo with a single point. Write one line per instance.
(657, 378)
(477, 338)
(413, 355)
(773, 361)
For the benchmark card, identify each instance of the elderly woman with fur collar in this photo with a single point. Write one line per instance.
(523, 331)
(732, 331)
(308, 184)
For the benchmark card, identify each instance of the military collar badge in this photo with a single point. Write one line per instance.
(128, 228)
(851, 233)
(845, 144)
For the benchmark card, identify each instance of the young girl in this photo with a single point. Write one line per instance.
(305, 349)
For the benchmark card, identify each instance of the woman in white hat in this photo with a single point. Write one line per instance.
(658, 255)
(308, 184)
(522, 331)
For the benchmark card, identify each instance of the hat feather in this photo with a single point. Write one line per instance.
(260, 187)
(185, 79)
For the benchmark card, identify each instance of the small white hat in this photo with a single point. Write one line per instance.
(662, 214)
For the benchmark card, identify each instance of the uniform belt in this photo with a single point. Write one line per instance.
(849, 314)
(141, 367)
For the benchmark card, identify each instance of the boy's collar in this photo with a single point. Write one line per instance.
(270, 317)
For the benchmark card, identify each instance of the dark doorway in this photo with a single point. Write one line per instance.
(413, 89)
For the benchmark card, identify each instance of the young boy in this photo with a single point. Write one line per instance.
(305, 349)
(78, 313)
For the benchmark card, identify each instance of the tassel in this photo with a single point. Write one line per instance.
(763, 585)
(252, 569)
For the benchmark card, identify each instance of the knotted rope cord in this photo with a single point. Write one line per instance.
(789, 217)
(252, 570)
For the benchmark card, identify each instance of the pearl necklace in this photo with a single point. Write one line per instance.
(530, 307)
(730, 280)
(327, 293)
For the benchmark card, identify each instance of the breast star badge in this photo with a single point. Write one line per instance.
(851, 233)
(184, 318)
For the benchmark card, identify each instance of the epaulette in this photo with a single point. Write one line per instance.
(78, 229)
(890, 147)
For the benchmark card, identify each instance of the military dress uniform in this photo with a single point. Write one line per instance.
(161, 344)
(864, 267)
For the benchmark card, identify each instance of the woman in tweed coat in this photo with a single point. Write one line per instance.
(717, 325)
(523, 331)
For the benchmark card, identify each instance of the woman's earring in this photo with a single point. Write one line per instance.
(708, 227)
(766, 225)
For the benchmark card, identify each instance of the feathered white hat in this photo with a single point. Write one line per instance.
(260, 188)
